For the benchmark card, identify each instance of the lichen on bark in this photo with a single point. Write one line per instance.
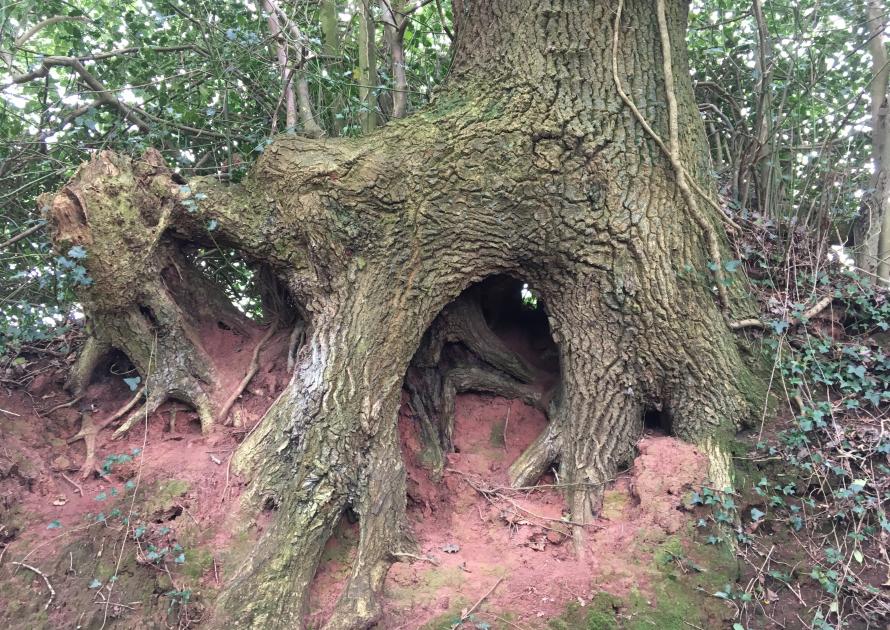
(527, 164)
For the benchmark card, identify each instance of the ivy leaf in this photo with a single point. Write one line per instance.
(732, 266)
(756, 514)
(54, 524)
(133, 382)
(77, 252)
(780, 326)
(95, 583)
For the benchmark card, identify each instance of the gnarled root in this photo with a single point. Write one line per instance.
(91, 355)
(536, 459)
(460, 353)
(88, 432)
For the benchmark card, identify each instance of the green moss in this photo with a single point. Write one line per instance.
(496, 437)
(197, 562)
(164, 495)
(667, 552)
(429, 582)
(685, 574)
(614, 502)
(599, 614)
(431, 459)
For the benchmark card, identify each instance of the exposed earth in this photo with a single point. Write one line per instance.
(490, 556)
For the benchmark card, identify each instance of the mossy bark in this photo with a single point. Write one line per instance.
(527, 164)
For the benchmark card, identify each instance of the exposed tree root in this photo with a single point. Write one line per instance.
(297, 336)
(463, 322)
(492, 179)
(128, 406)
(438, 374)
(88, 432)
(52, 591)
(536, 459)
(251, 372)
(811, 312)
(90, 356)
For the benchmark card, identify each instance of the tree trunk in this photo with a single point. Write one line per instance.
(871, 231)
(528, 164)
(367, 66)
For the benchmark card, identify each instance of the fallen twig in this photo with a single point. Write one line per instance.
(73, 483)
(811, 312)
(251, 372)
(489, 492)
(63, 405)
(469, 612)
(52, 591)
(405, 554)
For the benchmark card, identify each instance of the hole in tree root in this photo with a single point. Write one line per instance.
(657, 421)
(469, 520)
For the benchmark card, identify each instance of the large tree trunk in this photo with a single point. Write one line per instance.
(528, 164)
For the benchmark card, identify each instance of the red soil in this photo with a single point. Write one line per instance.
(513, 542)
(35, 459)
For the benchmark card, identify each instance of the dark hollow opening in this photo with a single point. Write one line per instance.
(515, 313)
(657, 421)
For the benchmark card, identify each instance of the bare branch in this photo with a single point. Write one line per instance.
(24, 37)
(21, 235)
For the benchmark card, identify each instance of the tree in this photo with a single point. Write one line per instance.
(565, 148)
(872, 229)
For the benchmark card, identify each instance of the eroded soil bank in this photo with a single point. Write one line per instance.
(490, 557)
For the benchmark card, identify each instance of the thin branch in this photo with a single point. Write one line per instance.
(56, 19)
(52, 591)
(102, 93)
(251, 372)
(21, 235)
(469, 612)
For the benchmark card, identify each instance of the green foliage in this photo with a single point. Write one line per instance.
(815, 494)
(197, 81)
(809, 99)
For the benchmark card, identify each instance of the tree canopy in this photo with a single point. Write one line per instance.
(783, 88)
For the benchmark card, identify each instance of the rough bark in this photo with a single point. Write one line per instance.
(871, 231)
(529, 164)
(367, 66)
